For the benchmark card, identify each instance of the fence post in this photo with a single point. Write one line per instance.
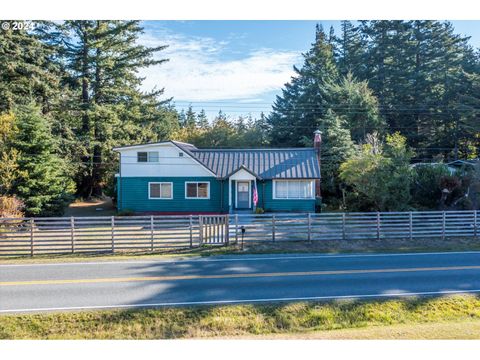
(113, 234)
(190, 226)
(273, 227)
(378, 226)
(309, 223)
(443, 225)
(410, 224)
(72, 232)
(475, 224)
(200, 227)
(344, 235)
(236, 229)
(152, 229)
(227, 229)
(31, 236)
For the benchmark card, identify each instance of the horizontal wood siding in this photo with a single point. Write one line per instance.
(287, 205)
(134, 196)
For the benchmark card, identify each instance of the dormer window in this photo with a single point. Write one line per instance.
(150, 156)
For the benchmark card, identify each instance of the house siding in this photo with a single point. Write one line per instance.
(283, 205)
(133, 195)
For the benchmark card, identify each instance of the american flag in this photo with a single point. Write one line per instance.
(255, 194)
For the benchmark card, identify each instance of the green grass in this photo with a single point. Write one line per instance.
(302, 319)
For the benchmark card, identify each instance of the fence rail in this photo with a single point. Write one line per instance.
(35, 236)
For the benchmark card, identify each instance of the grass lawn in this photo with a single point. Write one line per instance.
(437, 318)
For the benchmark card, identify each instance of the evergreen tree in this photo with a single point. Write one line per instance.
(103, 58)
(202, 120)
(337, 147)
(350, 51)
(190, 118)
(297, 113)
(43, 184)
(28, 70)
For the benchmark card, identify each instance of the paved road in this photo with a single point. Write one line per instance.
(231, 279)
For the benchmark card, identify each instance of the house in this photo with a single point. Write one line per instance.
(453, 166)
(174, 177)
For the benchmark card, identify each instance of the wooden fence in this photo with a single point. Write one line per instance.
(34, 236)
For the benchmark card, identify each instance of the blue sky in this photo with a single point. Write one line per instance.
(236, 66)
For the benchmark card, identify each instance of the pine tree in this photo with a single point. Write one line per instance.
(351, 48)
(202, 120)
(337, 147)
(44, 184)
(104, 58)
(355, 103)
(190, 118)
(28, 70)
(303, 103)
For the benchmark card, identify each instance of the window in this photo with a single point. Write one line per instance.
(151, 156)
(180, 154)
(293, 189)
(162, 190)
(197, 190)
(142, 156)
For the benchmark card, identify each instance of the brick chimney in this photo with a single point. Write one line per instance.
(317, 145)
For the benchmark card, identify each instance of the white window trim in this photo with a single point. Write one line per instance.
(198, 182)
(148, 157)
(160, 198)
(312, 182)
(249, 193)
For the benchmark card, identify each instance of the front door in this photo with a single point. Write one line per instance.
(243, 194)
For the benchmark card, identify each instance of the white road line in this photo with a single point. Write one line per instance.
(240, 301)
(241, 258)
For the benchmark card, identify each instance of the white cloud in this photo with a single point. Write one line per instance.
(198, 70)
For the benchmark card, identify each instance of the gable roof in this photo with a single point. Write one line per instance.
(296, 163)
(286, 163)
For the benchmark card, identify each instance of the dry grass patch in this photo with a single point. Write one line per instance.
(240, 320)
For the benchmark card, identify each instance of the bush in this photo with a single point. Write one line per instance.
(429, 181)
(11, 207)
(259, 210)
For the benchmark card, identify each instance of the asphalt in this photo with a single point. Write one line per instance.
(234, 279)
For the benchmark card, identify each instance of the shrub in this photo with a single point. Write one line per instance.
(11, 207)
(259, 210)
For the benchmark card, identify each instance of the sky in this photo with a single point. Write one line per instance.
(235, 66)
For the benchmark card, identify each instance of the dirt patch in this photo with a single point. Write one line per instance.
(93, 207)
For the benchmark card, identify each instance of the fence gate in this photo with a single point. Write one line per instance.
(214, 229)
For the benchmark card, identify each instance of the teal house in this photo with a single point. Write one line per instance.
(172, 177)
